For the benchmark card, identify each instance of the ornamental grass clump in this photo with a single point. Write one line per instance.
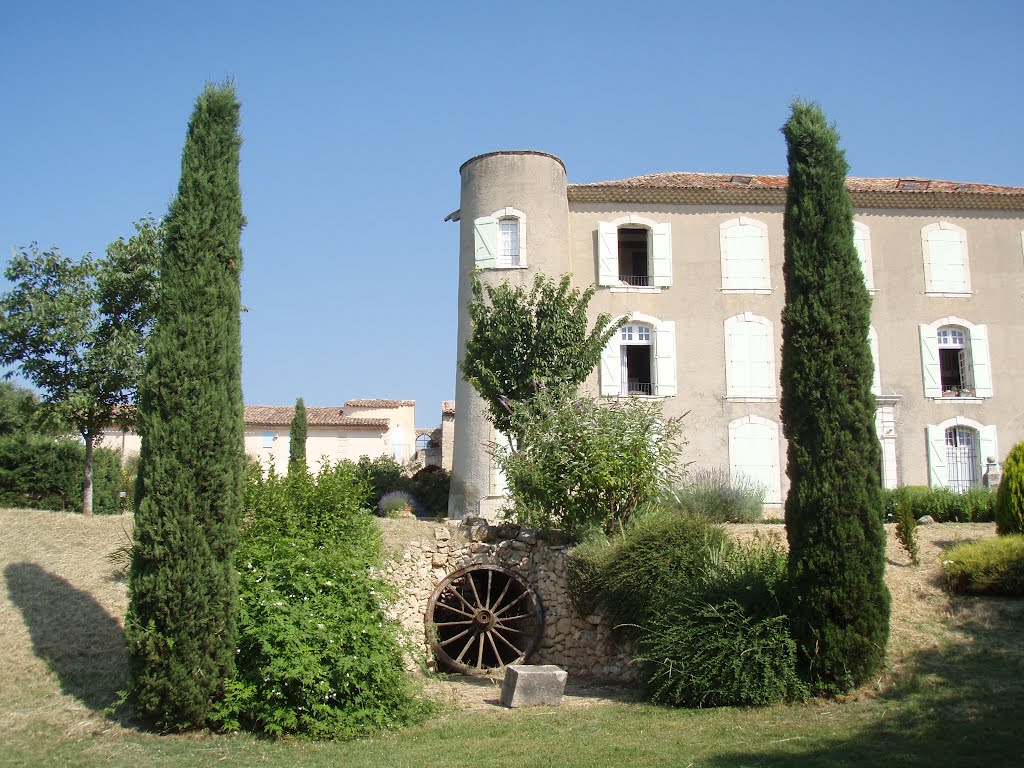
(717, 496)
(987, 567)
(316, 655)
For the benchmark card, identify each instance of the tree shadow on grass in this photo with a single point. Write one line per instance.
(72, 633)
(959, 706)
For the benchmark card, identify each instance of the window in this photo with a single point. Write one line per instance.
(955, 359)
(862, 242)
(422, 443)
(946, 268)
(641, 359)
(634, 253)
(754, 455)
(499, 240)
(749, 357)
(508, 246)
(745, 263)
(958, 451)
(268, 439)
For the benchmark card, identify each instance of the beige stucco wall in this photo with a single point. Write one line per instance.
(697, 304)
(400, 437)
(322, 443)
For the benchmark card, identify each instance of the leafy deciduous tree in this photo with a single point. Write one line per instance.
(840, 610)
(182, 621)
(297, 439)
(523, 340)
(76, 330)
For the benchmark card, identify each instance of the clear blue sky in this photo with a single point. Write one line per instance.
(356, 117)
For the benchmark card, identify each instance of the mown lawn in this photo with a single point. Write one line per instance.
(953, 694)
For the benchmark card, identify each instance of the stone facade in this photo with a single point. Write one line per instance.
(580, 644)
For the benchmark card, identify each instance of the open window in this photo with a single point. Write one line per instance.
(634, 252)
(955, 359)
(499, 240)
(640, 359)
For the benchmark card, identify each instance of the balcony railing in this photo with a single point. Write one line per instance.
(637, 281)
(637, 388)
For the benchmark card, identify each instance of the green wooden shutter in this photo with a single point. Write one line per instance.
(665, 359)
(980, 364)
(611, 368)
(485, 232)
(930, 361)
(938, 475)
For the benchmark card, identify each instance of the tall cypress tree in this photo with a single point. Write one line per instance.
(840, 610)
(181, 624)
(297, 439)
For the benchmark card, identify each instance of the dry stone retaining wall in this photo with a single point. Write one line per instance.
(579, 644)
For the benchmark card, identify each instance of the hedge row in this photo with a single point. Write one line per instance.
(42, 472)
(977, 506)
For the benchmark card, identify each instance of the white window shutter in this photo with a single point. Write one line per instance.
(737, 372)
(762, 360)
(938, 475)
(980, 361)
(485, 236)
(611, 368)
(989, 446)
(930, 361)
(607, 254)
(876, 379)
(661, 254)
(665, 359)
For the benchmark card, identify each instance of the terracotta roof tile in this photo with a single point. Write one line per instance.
(379, 403)
(732, 188)
(281, 416)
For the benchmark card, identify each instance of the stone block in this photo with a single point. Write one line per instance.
(527, 685)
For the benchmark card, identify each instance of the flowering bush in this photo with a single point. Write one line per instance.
(316, 655)
(393, 502)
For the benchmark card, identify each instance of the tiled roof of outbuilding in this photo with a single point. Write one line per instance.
(281, 416)
(379, 403)
(724, 188)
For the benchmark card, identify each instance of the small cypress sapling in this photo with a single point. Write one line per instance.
(906, 530)
(297, 439)
(1010, 497)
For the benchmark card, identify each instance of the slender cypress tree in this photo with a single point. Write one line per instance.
(297, 439)
(840, 610)
(181, 624)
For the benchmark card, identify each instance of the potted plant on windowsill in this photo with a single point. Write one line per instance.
(958, 392)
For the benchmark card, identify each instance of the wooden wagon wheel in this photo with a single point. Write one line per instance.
(483, 617)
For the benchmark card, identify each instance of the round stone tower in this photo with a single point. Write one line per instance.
(529, 188)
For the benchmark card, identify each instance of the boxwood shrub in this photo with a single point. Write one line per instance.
(975, 506)
(986, 567)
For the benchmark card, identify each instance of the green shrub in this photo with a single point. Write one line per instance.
(585, 463)
(944, 506)
(430, 487)
(713, 494)
(43, 472)
(709, 655)
(987, 567)
(1010, 497)
(660, 561)
(393, 502)
(906, 531)
(383, 475)
(316, 655)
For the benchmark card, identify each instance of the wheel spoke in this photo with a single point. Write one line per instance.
(472, 584)
(480, 653)
(465, 602)
(451, 623)
(490, 574)
(515, 618)
(503, 628)
(497, 656)
(509, 644)
(465, 648)
(453, 638)
(453, 609)
(501, 597)
(498, 613)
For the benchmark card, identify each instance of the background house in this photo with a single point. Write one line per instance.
(695, 260)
